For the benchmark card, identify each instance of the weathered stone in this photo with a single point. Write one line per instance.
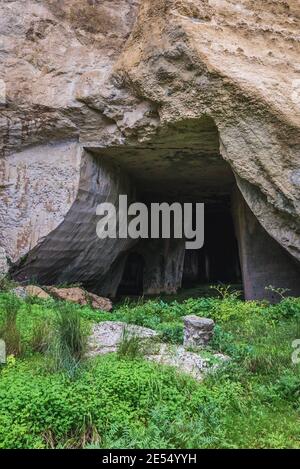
(98, 302)
(107, 335)
(81, 297)
(74, 294)
(20, 292)
(187, 362)
(33, 290)
(263, 261)
(40, 185)
(197, 331)
(30, 290)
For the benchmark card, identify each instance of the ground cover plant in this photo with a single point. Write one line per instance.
(122, 401)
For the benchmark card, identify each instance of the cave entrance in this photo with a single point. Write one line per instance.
(182, 163)
(132, 280)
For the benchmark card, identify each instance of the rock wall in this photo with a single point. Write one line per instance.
(264, 262)
(239, 63)
(83, 75)
(38, 187)
(73, 252)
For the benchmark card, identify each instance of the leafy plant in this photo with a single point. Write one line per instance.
(171, 332)
(226, 291)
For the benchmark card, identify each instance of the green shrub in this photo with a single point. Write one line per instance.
(288, 308)
(288, 387)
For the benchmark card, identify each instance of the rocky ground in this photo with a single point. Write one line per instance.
(107, 337)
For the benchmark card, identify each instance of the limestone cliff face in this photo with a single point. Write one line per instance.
(84, 75)
(237, 61)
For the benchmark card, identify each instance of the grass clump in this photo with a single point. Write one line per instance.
(69, 340)
(42, 335)
(130, 346)
(9, 330)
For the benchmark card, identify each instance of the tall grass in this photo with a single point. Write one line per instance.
(69, 343)
(130, 346)
(41, 336)
(9, 330)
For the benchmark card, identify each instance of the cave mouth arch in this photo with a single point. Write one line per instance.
(182, 163)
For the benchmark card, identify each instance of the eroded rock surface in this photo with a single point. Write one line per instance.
(30, 290)
(191, 363)
(107, 335)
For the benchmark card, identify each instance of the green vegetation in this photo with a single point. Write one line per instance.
(122, 401)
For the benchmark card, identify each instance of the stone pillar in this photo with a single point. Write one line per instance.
(197, 331)
(263, 261)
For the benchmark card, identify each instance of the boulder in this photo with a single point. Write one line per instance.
(99, 302)
(33, 290)
(20, 292)
(81, 297)
(188, 362)
(107, 335)
(30, 290)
